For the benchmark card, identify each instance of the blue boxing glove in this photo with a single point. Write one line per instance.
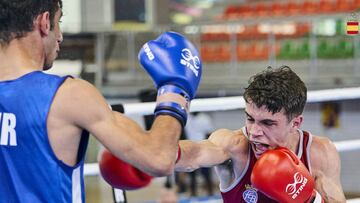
(174, 64)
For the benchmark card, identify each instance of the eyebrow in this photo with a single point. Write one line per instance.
(264, 120)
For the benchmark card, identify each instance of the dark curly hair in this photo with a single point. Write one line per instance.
(17, 16)
(277, 89)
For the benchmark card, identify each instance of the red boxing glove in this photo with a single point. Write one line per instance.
(120, 174)
(280, 175)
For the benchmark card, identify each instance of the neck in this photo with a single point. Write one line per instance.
(294, 141)
(20, 57)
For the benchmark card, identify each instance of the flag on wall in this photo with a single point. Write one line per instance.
(352, 27)
(330, 114)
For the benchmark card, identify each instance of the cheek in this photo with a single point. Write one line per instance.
(52, 43)
(58, 33)
(49, 42)
(276, 136)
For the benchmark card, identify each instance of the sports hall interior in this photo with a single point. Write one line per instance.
(318, 39)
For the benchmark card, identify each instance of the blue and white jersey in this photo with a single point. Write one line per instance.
(29, 169)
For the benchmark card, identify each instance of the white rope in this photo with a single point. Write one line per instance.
(237, 102)
(347, 145)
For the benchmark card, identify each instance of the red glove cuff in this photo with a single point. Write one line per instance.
(178, 155)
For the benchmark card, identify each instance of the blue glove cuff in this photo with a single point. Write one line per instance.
(173, 89)
(173, 108)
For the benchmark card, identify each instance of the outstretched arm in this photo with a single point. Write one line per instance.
(80, 104)
(207, 153)
(174, 65)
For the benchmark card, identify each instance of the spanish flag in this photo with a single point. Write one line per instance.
(352, 28)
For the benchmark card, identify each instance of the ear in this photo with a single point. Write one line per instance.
(297, 121)
(43, 21)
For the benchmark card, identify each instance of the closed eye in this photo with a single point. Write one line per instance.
(268, 122)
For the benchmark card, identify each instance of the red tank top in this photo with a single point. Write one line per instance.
(243, 192)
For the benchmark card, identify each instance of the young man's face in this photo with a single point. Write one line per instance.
(267, 130)
(53, 41)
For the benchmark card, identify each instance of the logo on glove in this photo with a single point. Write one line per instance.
(292, 189)
(148, 52)
(190, 61)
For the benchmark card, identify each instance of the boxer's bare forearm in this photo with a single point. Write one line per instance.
(153, 151)
(202, 154)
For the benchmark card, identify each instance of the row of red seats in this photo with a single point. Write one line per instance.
(244, 52)
(290, 8)
(252, 32)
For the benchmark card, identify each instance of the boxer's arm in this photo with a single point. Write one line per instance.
(207, 153)
(82, 105)
(325, 163)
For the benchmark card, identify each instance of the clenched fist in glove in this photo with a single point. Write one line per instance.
(280, 175)
(174, 64)
(121, 175)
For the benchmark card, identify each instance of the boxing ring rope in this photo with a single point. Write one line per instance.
(238, 102)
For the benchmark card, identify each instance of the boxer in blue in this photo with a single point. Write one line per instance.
(46, 119)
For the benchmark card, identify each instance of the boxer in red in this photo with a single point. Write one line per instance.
(270, 159)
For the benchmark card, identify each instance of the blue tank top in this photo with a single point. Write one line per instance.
(29, 169)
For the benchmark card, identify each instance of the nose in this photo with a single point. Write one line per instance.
(254, 130)
(60, 38)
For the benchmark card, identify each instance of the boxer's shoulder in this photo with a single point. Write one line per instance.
(77, 90)
(322, 153)
(321, 144)
(75, 84)
(78, 103)
(232, 141)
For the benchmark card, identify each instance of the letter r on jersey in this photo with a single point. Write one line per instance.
(8, 129)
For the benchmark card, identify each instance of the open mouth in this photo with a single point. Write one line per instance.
(260, 148)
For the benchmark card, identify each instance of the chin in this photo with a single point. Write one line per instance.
(47, 66)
